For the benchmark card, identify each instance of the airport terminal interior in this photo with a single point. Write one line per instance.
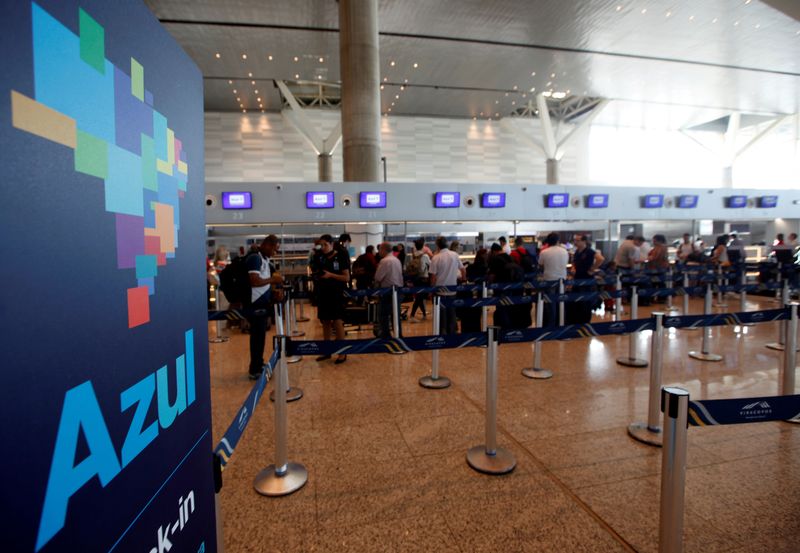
(664, 135)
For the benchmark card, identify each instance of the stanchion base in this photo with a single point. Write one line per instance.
(296, 333)
(721, 305)
(537, 373)
(628, 362)
(294, 359)
(272, 484)
(778, 346)
(400, 352)
(691, 328)
(292, 394)
(793, 421)
(641, 432)
(302, 319)
(218, 340)
(434, 383)
(502, 462)
(705, 356)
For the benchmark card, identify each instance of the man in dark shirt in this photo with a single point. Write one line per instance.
(331, 280)
(264, 283)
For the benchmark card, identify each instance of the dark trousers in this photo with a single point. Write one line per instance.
(449, 320)
(259, 324)
(385, 317)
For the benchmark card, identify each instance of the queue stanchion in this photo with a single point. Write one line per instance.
(293, 316)
(219, 338)
(790, 352)
(675, 406)
(292, 394)
(720, 294)
(632, 360)
(670, 286)
(434, 381)
(283, 477)
(395, 314)
(704, 354)
(618, 300)
(286, 319)
(780, 345)
(536, 371)
(484, 309)
(650, 432)
(302, 287)
(743, 293)
(560, 302)
(488, 458)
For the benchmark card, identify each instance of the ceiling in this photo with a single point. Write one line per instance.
(679, 63)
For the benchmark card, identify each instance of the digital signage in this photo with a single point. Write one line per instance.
(768, 201)
(237, 200)
(493, 199)
(653, 201)
(319, 200)
(557, 200)
(372, 199)
(447, 199)
(597, 200)
(687, 201)
(736, 202)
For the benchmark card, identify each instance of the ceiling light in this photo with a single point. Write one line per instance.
(261, 105)
(514, 87)
(256, 91)
(262, 111)
(481, 114)
(244, 56)
(546, 93)
(238, 99)
(552, 75)
(758, 25)
(402, 87)
(497, 115)
(252, 82)
(691, 18)
(230, 82)
(644, 10)
(296, 58)
(321, 60)
(405, 81)
(296, 76)
(244, 111)
(269, 58)
(393, 103)
(524, 95)
(241, 105)
(391, 63)
(714, 20)
(381, 87)
(533, 74)
(669, 14)
(234, 91)
(568, 91)
(319, 77)
(513, 103)
(559, 95)
(390, 109)
(416, 65)
(533, 89)
(506, 94)
(258, 99)
(619, 8)
(385, 79)
(735, 23)
(250, 74)
(217, 55)
(396, 96)
(497, 101)
(746, 2)
(549, 83)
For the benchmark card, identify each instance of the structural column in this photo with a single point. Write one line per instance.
(360, 72)
(552, 171)
(325, 166)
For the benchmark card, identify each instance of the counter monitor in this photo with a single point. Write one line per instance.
(768, 201)
(687, 201)
(447, 199)
(736, 202)
(237, 200)
(372, 200)
(493, 199)
(653, 201)
(597, 200)
(557, 200)
(319, 200)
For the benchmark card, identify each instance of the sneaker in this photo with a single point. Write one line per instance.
(323, 357)
(254, 376)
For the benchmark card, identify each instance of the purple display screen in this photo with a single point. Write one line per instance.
(557, 200)
(447, 199)
(687, 201)
(493, 199)
(319, 200)
(237, 200)
(372, 199)
(654, 200)
(597, 200)
(768, 201)
(737, 201)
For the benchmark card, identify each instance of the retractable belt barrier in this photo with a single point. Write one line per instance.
(244, 415)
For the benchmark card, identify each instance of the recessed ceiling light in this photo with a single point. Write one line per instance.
(668, 14)
(321, 60)
(244, 111)
(691, 18)
(269, 58)
(230, 82)
(252, 82)
(497, 101)
(244, 56)
(238, 99)
(747, 2)
(514, 87)
(261, 105)
(559, 95)
(644, 10)
(514, 103)
(714, 20)
(234, 91)
(552, 75)
(256, 91)
(390, 109)
(405, 81)
(533, 89)
(402, 87)
(416, 65)
(217, 55)
(393, 103)
(524, 95)
(549, 83)
(381, 87)
(392, 63)
(396, 96)
(385, 79)
(258, 99)
(250, 74)
(296, 58)
(735, 23)
(758, 25)
(568, 91)
(619, 8)
(533, 74)
(497, 115)
(296, 76)
(241, 105)
(319, 77)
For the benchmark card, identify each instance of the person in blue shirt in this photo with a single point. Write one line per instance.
(265, 284)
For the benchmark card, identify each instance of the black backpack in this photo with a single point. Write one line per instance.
(527, 262)
(234, 281)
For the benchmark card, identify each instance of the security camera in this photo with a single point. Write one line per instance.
(469, 201)
(346, 201)
(279, 187)
(211, 201)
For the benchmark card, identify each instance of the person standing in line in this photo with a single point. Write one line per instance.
(644, 249)
(686, 249)
(720, 254)
(585, 263)
(553, 260)
(446, 269)
(628, 254)
(658, 257)
(364, 268)
(389, 273)
(265, 287)
(332, 279)
(417, 271)
(504, 245)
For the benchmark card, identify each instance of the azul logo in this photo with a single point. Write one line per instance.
(185, 508)
(81, 413)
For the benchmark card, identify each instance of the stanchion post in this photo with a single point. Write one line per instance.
(670, 283)
(704, 354)
(434, 381)
(395, 314)
(489, 458)
(304, 288)
(292, 394)
(286, 323)
(536, 371)
(650, 432)
(742, 291)
(675, 406)
(632, 360)
(484, 309)
(686, 293)
(618, 300)
(560, 302)
(219, 338)
(720, 293)
(293, 316)
(283, 477)
(790, 352)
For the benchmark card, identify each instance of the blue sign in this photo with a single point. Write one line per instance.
(105, 397)
(597, 200)
(319, 200)
(768, 201)
(556, 200)
(652, 201)
(736, 202)
(493, 199)
(446, 199)
(687, 201)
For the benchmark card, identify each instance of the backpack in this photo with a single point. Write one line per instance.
(514, 272)
(414, 268)
(234, 281)
(527, 262)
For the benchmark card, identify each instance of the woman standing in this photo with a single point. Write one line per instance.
(332, 276)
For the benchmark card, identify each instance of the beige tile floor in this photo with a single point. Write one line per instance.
(386, 458)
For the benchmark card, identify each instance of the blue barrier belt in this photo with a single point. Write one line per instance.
(735, 411)
(237, 314)
(233, 434)
(390, 345)
(574, 331)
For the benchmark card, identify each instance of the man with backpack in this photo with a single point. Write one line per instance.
(523, 257)
(266, 287)
(417, 272)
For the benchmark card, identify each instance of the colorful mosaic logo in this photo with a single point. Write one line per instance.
(106, 117)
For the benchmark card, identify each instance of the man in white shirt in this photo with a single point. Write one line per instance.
(262, 280)
(629, 254)
(389, 273)
(686, 248)
(553, 259)
(446, 269)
